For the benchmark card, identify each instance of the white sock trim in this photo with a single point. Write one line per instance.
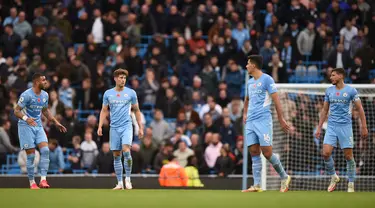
(43, 178)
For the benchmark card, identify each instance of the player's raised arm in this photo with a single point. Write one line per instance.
(102, 117)
(47, 113)
(362, 116)
(246, 105)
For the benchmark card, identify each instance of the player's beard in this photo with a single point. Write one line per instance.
(41, 86)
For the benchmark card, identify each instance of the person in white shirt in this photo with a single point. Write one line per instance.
(98, 27)
(347, 33)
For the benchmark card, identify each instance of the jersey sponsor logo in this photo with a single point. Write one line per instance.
(338, 101)
(345, 94)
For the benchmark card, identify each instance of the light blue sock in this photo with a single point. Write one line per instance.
(278, 166)
(30, 166)
(118, 168)
(128, 162)
(330, 166)
(351, 168)
(44, 161)
(257, 169)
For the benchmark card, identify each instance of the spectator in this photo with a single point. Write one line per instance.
(76, 155)
(55, 105)
(179, 136)
(89, 150)
(209, 78)
(340, 58)
(358, 42)
(12, 19)
(358, 73)
(277, 70)
(192, 172)
(98, 27)
(224, 164)
(171, 105)
(212, 152)
(347, 34)
(22, 27)
(9, 42)
(235, 108)
(211, 107)
(305, 40)
(228, 133)
(240, 34)
(56, 156)
(189, 69)
(162, 157)
(148, 151)
(85, 96)
(104, 161)
(66, 93)
(190, 113)
(182, 153)
(267, 51)
(150, 86)
(173, 174)
(21, 160)
(160, 128)
(5, 142)
(234, 78)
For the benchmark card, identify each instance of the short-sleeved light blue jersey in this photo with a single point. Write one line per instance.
(120, 106)
(259, 93)
(32, 105)
(340, 104)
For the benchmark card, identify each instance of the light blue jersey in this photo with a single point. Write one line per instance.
(340, 116)
(121, 131)
(120, 106)
(259, 93)
(340, 104)
(259, 120)
(32, 105)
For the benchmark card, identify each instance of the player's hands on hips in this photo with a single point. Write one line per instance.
(140, 133)
(318, 132)
(100, 131)
(364, 133)
(61, 127)
(284, 125)
(31, 121)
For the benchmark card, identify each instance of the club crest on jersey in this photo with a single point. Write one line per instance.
(345, 94)
(44, 100)
(259, 84)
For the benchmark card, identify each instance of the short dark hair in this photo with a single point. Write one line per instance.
(339, 71)
(36, 76)
(119, 72)
(257, 60)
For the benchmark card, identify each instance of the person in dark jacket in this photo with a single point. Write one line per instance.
(9, 42)
(277, 70)
(104, 161)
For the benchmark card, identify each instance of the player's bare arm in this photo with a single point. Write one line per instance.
(362, 116)
(323, 117)
(20, 115)
(137, 112)
(284, 125)
(47, 113)
(246, 105)
(102, 117)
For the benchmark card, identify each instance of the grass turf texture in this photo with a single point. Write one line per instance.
(70, 198)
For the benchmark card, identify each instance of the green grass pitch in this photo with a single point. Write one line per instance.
(71, 198)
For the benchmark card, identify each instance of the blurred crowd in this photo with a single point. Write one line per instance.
(186, 61)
